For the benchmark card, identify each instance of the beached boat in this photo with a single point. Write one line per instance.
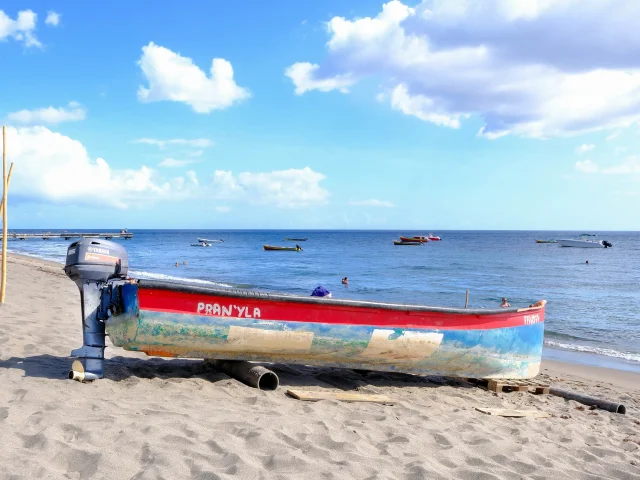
(422, 239)
(296, 239)
(283, 249)
(206, 240)
(178, 320)
(401, 242)
(433, 238)
(582, 241)
(546, 241)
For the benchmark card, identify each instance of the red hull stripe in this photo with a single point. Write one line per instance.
(210, 305)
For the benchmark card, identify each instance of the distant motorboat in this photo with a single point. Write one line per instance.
(296, 239)
(583, 242)
(402, 242)
(546, 241)
(419, 239)
(283, 249)
(206, 240)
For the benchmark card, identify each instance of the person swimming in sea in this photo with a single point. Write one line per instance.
(504, 303)
(345, 281)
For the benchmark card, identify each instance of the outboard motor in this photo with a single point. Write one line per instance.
(96, 266)
(607, 244)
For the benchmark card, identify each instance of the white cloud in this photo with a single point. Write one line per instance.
(22, 29)
(421, 107)
(373, 203)
(540, 68)
(282, 188)
(173, 163)
(162, 144)
(619, 150)
(53, 19)
(196, 153)
(584, 148)
(192, 177)
(630, 166)
(612, 136)
(587, 166)
(72, 113)
(302, 76)
(175, 78)
(52, 167)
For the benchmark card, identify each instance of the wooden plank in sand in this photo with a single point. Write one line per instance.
(507, 412)
(314, 396)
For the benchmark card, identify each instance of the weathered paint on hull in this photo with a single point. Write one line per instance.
(508, 352)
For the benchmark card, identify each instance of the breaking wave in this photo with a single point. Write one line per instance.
(631, 357)
(162, 276)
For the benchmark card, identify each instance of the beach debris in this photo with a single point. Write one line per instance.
(607, 405)
(506, 386)
(509, 412)
(248, 373)
(315, 395)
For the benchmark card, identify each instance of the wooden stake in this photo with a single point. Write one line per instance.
(315, 395)
(3, 285)
(8, 183)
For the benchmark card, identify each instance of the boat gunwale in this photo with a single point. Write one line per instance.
(283, 297)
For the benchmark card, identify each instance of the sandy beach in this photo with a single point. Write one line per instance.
(156, 418)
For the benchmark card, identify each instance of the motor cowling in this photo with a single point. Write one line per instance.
(607, 244)
(95, 261)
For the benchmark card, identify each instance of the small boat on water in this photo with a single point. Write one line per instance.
(401, 242)
(420, 239)
(584, 242)
(546, 241)
(296, 239)
(283, 249)
(206, 240)
(179, 320)
(201, 244)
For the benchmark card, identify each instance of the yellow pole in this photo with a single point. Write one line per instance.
(8, 183)
(3, 286)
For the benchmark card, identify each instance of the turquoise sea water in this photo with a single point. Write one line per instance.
(593, 311)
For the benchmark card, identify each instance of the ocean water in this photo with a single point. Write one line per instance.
(593, 310)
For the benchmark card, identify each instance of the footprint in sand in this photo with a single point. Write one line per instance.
(442, 440)
(18, 395)
(37, 441)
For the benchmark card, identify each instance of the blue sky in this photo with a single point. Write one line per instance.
(424, 116)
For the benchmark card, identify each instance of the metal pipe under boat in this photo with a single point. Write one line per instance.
(607, 405)
(248, 373)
